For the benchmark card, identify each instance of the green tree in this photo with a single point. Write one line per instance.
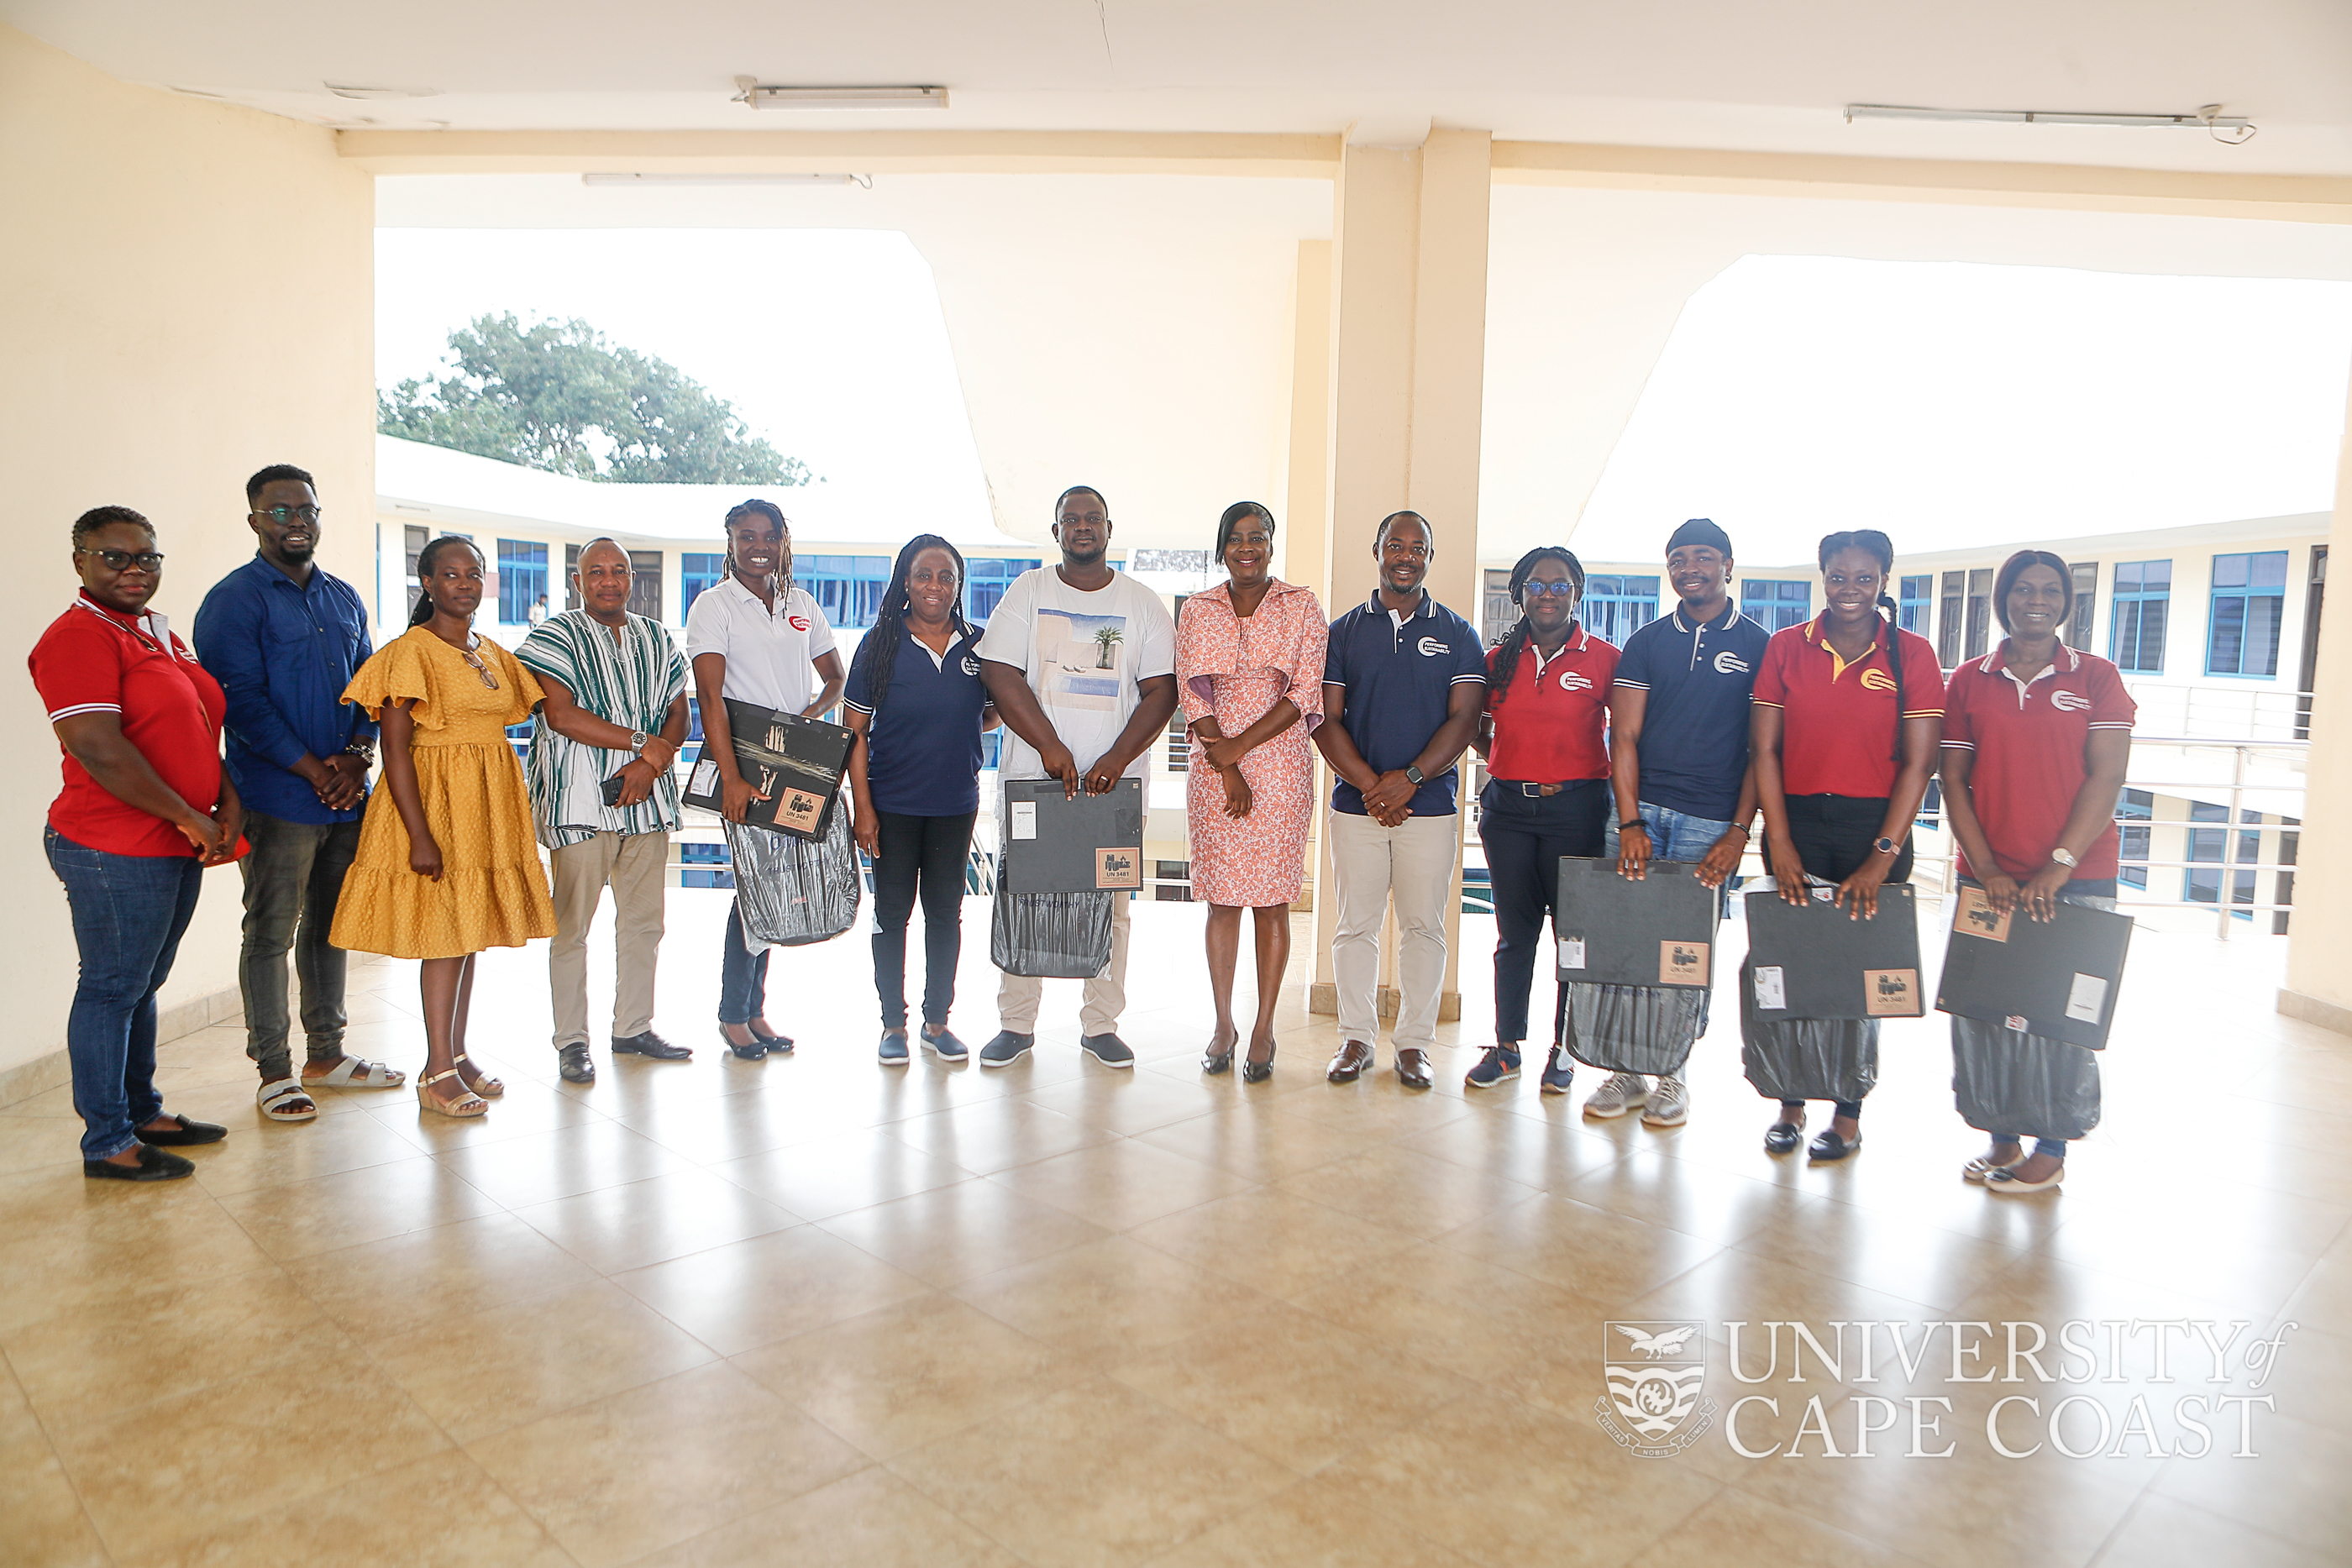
(556, 396)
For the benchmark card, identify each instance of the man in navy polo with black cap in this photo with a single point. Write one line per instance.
(1404, 681)
(1679, 756)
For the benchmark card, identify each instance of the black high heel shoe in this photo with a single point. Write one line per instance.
(1259, 1072)
(1213, 1062)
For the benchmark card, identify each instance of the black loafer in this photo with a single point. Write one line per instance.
(153, 1165)
(185, 1135)
(577, 1068)
(653, 1045)
(1830, 1147)
(1783, 1137)
(1413, 1067)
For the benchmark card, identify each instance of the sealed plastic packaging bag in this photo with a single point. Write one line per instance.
(794, 890)
(2006, 1081)
(1051, 935)
(1805, 1059)
(1633, 1029)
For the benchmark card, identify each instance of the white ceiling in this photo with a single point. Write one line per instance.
(1703, 73)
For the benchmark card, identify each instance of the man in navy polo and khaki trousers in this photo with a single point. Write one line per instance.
(1406, 681)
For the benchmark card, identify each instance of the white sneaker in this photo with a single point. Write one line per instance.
(1669, 1103)
(1619, 1093)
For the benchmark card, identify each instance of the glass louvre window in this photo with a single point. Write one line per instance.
(2086, 604)
(988, 579)
(696, 572)
(1979, 612)
(2249, 603)
(1776, 604)
(848, 588)
(1947, 625)
(1916, 598)
(2133, 809)
(2143, 598)
(522, 577)
(1614, 606)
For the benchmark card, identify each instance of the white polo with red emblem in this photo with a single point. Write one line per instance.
(771, 654)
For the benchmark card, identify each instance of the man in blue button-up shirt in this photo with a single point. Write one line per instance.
(283, 636)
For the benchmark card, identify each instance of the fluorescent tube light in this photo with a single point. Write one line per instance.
(839, 97)
(666, 179)
(2206, 119)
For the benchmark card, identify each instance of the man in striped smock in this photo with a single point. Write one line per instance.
(615, 716)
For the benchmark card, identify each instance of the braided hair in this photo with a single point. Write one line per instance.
(755, 507)
(890, 620)
(1507, 657)
(422, 610)
(1877, 546)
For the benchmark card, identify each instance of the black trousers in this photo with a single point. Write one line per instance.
(1525, 837)
(1834, 835)
(920, 856)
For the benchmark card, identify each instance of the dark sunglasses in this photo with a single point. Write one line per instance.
(117, 560)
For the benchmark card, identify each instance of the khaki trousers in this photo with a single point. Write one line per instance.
(1414, 863)
(1018, 997)
(632, 864)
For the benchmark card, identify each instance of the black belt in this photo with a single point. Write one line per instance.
(1534, 789)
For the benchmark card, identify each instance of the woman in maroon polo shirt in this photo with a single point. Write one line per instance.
(1843, 730)
(2036, 739)
(1544, 739)
(145, 808)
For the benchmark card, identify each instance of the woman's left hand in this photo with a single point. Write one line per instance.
(1237, 794)
(2040, 895)
(1863, 887)
(230, 815)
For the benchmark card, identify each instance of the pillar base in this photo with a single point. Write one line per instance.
(2311, 1010)
(1323, 997)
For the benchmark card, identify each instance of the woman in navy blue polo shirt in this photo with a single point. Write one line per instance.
(1545, 741)
(916, 702)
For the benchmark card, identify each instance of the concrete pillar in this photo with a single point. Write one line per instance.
(2318, 985)
(1407, 377)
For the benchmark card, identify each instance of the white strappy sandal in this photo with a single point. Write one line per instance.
(276, 1098)
(353, 1072)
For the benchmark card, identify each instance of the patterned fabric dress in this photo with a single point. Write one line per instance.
(1234, 668)
(493, 891)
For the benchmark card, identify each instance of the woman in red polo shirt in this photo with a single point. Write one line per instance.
(2036, 739)
(1847, 713)
(1545, 741)
(145, 808)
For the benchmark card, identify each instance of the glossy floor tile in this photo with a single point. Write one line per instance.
(812, 1310)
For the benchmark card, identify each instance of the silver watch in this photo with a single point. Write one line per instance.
(638, 740)
(2064, 857)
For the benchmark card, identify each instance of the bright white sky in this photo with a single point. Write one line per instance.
(1945, 402)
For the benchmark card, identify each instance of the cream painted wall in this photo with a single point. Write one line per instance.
(2316, 970)
(190, 298)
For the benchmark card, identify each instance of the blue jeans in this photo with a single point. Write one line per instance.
(129, 913)
(742, 976)
(1679, 836)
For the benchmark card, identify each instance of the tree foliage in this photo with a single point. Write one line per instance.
(556, 396)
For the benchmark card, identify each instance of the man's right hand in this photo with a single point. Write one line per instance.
(1057, 762)
(735, 796)
(346, 778)
(1392, 791)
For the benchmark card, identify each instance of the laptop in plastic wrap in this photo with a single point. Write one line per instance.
(1814, 960)
(2057, 979)
(1615, 931)
(795, 763)
(1054, 843)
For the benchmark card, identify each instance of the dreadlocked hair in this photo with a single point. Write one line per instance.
(1872, 543)
(890, 620)
(1507, 650)
(422, 610)
(755, 507)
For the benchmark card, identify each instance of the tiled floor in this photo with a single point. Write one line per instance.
(813, 1311)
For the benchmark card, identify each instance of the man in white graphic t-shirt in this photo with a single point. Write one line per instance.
(1081, 663)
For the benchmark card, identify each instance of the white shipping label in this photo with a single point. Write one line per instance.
(1024, 819)
(2086, 1000)
(1572, 952)
(706, 778)
(1771, 993)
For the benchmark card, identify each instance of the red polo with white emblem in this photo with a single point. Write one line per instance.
(1552, 725)
(2030, 739)
(1841, 721)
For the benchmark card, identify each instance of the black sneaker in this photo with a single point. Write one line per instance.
(577, 1066)
(1006, 1049)
(653, 1045)
(154, 1165)
(1107, 1049)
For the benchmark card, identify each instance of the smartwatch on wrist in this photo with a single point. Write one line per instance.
(1414, 775)
(1885, 846)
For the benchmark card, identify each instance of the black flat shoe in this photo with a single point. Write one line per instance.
(185, 1135)
(773, 1044)
(752, 1052)
(1830, 1147)
(153, 1165)
(1783, 1137)
(1258, 1071)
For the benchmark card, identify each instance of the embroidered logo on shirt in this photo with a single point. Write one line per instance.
(1570, 681)
(1431, 647)
(797, 623)
(2069, 702)
(970, 665)
(1878, 681)
(1730, 664)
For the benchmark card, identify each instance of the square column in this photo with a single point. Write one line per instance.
(2318, 989)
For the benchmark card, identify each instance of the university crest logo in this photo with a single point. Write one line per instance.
(1730, 664)
(2069, 702)
(1431, 647)
(1656, 1405)
(1570, 681)
(1878, 681)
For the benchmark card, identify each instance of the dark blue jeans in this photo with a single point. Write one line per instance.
(129, 913)
(742, 976)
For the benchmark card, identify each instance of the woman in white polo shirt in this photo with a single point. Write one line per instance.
(757, 639)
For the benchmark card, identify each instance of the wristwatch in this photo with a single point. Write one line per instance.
(1413, 775)
(2064, 857)
(638, 740)
(1884, 846)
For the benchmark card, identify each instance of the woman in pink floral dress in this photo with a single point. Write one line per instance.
(1249, 664)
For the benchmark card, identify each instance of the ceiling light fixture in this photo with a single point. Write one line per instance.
(749, 92)
(2209, 117)
(345, 90)
(644, 181)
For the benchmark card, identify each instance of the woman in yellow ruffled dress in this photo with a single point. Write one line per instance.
(447, 862)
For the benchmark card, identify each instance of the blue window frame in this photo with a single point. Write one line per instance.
(2202, 887)
(522, 577)
(988, 579)
(2143, 603)
(1613, 606)
(1917, 597)
(848, 588)
(1776, 604)
(2136, 806)
(2249, 603)
(696, 572)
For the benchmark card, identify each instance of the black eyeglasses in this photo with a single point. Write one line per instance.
(282, 516)
(1552, 590)
(117, 560)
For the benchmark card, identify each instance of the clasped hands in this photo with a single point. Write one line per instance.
(338, 780)
(1389, 802)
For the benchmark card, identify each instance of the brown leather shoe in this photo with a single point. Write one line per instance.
(1354, 1055)
(1413, 1067)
